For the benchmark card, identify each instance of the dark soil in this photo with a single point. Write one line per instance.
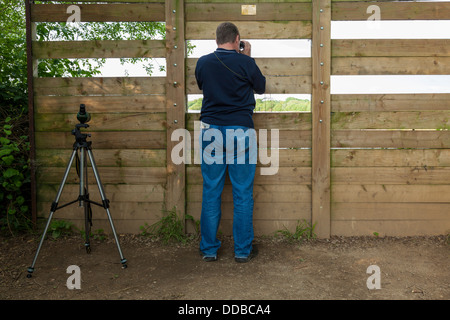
(412, 268)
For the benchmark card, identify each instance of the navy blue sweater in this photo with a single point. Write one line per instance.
(228, 87)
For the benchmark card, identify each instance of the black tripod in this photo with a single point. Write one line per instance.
(82, 146)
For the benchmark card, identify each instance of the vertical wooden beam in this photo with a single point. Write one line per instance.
(31, 73)
(175, 102)
(321, 66)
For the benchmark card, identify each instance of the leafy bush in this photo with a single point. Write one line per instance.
(14, 174)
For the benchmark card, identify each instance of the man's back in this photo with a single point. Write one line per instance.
(228, 80)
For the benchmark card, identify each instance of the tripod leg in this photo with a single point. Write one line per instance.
(82, 172)
(106, 206)
(52, 211)
(87, 204)
(87, 224)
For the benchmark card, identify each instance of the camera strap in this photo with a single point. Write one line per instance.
(240, 76)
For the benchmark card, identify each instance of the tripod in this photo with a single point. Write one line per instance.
(82, 146)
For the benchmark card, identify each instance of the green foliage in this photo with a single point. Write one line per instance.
(170, 228)
(14, 142)
(60, 228)
(303, 231)
(290, 104)
(195, 104)
(14, 175)
(98, 234)
(13, 57)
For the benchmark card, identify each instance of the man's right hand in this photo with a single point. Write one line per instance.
(247, 48)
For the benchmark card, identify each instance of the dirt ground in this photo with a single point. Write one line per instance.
(412, 268)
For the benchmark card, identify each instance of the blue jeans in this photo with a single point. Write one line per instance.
(232, 147)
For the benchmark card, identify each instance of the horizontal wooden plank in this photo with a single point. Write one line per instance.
(285, 175)
(282, 157)
(203, 30)
(402, 228)
(288, 157)
(113, 1)
(270, 66)
(288, 138)
(113, 192)
(390, 158)
(108, 175)
(99, 86)
(391, 10)
(274, 85)
(380, 211)
(260, 227)
(232, 12)
(387, 175)
(390, 48)
(131, 12)
(268, 120)
(389, 102)
(247, 1)
(105, 157)
(390, 219)
(437, 120)
(119, 211)
(100, 104)
(368, 193)
(390, 139)
(390, 66)
(122, 226)
(261, 211)
(99, 49)
(103, 122)
(291, 139)
(363, 0)
(294, 194)
(104, 140)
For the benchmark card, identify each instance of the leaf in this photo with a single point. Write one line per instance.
(5, 152)
(8, 160)
(10, 172)
(4, 141)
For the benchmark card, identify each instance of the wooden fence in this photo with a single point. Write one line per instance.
(354, 165)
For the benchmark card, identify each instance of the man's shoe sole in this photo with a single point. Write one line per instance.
(252, 255)
(206, 258)
(209, 259)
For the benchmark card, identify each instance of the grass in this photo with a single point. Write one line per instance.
(170, 228)
(303, 231)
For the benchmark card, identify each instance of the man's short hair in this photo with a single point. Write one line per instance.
(226, 32)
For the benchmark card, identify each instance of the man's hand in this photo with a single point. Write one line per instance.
(247, 48)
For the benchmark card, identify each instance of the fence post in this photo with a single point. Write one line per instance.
(321, 107)
(31, 74)
(175, 102)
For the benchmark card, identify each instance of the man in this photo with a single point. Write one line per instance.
(229, 78)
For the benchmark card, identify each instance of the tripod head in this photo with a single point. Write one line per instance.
(80, 137)
(83, 116)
